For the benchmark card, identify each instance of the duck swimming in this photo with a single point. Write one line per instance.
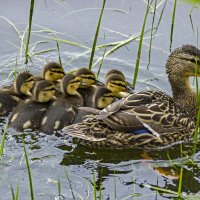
(148, 119)
(12, 95)
(29, 113)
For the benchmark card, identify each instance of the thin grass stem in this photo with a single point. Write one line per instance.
(67, 176)
(29, 31)
(140, 46)
(172, 25)
(3, 140)
(29, 173)
(101, 63)
(59, 57)
(151, 35)
(96, 36)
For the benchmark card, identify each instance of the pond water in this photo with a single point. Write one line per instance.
(125, 174)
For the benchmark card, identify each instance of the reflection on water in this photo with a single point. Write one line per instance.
(122, 174)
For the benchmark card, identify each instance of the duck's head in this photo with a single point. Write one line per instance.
(44, 91)
(183, 63)
(53, 71)
(115, 71)
(117, 84)
(103, 97)
(87, 77)
(24, 83)
(70, 83)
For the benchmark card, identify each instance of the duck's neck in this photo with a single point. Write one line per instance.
(183, 94)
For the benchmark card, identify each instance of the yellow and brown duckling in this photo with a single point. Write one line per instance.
(117, 84)
(29, 113)
(148, 119)
(10, 97)
(102, 98)
(88, 86)
(63, 110)
(129, 87)
(52, 71)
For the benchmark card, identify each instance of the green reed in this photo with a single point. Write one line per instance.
(101, 64)
(3, 140)
(181, 174)
(140, 45)
(160, 17)
(94, 185)
(59, 57)
(172, 25)
(59, 187)
(68, 179)
(198, 106)
(29, 31)
(15, 196)
(151, 35)
(96, 35)
(29, 173)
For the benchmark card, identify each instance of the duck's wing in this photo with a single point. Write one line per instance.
(158, 117)
(134, 100)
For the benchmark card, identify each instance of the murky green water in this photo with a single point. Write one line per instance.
(121, 173)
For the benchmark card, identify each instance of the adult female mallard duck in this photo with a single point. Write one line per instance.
(12, 95)
(29, 113)
(63, 110)
(148, 119)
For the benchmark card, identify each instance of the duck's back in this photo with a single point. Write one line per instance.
(28, 115)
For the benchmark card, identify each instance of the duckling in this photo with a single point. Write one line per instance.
(88, 86)
(117, 84)
(129, 86)
(52, 71)
(10, 97)
(102, 98)
(29, 114)
(63, 111)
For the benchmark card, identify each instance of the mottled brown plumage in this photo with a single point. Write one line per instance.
(148, 119)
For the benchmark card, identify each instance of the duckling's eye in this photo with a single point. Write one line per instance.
(50, 73)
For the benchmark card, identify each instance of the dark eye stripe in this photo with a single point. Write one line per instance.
(30, 80)
(49, 89)
(88, 77)
(57, 71)
(75, 81)
(119, 84)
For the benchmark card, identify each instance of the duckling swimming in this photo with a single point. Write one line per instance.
(10, 97)
(63, 110)
(29, 114)
(102, 98)
(88, 86)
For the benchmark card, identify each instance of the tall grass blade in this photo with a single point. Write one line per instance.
(151, 36)
(29, 173)
(172, 25)
(101, 63)
(3, 140)
(59, 187)
(59, 57)
(100, 188)
(190, 15)
(115, 187)
(29, 30)
(12, 192)
(67, 176)
(198, 107)
(96, 36)
(181, 174)
(160, 18)
(140, 46)
(94, 185)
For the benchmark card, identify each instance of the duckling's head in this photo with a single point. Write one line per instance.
(87, 77)
(53, 71)
(117, 84)
(24, 83)
(70, 83)
(115, 71)
(103, 97)
(183, 62)
(44, 91)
